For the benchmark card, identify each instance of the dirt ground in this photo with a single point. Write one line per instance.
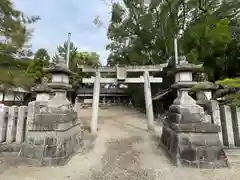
(124, 150)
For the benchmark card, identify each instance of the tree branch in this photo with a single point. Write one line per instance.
(204, 10)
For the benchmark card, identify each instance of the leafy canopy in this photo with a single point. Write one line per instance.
(14, 51)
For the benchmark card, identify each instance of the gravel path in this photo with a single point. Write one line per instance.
(123, 151)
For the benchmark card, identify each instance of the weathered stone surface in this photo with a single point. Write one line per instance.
(21, 124)
(185, 117)
(184, 99)
(12, 147)
(12, 124)
(55, 118)
(227, 126)
(196, 128)
(193, 149)
(201, 97)
(148, 101)
(42, 97)
(57, 104)
(52, 148)
(3, 123)
(214, 110)
(236, 124)
(33, 108)
(185, 110)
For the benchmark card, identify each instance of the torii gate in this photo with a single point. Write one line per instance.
(121, 73)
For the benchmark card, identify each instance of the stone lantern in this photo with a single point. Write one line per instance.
(60, 79)
(42, 90)
(184, 75)
(55, 132)
(206, 87)
(189, 137)
(204, 91)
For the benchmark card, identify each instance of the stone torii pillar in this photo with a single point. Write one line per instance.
(95, 103)
(148, 101)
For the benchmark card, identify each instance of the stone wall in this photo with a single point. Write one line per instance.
(228, 117)
(12, 125)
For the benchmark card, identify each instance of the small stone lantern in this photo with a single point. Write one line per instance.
(42, 90)
(204, 88)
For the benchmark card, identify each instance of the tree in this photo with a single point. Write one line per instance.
(62, 53)
(13, 30)
(210, 40)
(35, 67)
(87, 59)
(231, 94)
(14, 78)
(13, 45)
(42, 55)
(208, 32)
(143, 33)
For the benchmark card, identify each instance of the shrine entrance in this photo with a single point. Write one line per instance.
(121, 74)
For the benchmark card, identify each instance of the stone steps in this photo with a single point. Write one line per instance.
(233, 156)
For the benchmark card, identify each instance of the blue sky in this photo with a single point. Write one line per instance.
(58, 17)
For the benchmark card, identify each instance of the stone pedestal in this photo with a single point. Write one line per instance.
(54, 131)
(189, 139)
(54, 135)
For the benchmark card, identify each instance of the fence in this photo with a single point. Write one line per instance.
(13, 124)
(228, 117)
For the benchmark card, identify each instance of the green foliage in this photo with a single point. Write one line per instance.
(232, 97)
(15, 77)
(208, 33)
(35, 68)
(231, 83)
(88, 59)
(210, 41)
(143, 33)
(42, 55)
(203, 85)
(13, 30)
(13, 46)
(83, 58)
(62, 53)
